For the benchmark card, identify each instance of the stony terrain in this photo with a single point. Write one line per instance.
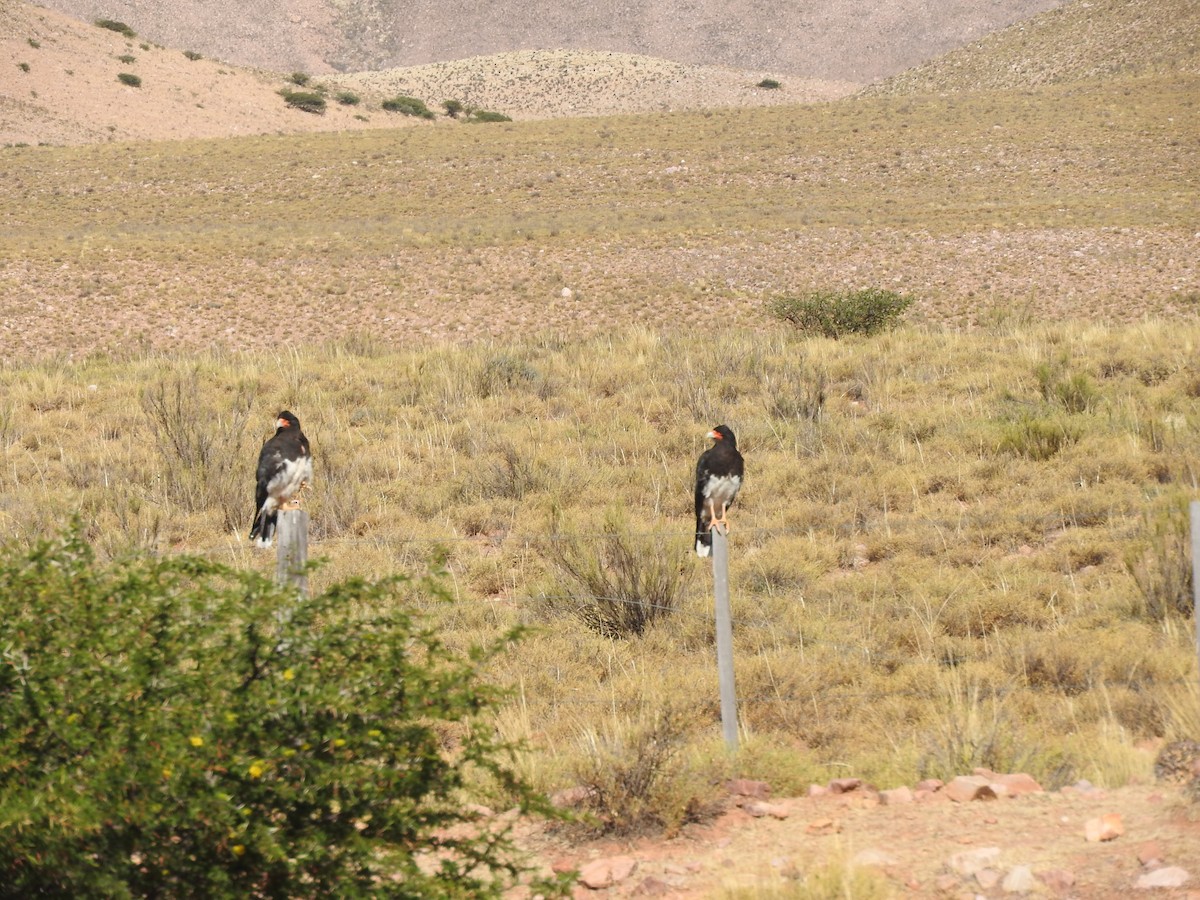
(1008, 839)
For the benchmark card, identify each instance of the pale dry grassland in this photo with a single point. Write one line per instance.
(953, 549)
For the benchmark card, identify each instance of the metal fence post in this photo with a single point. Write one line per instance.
(724, 617)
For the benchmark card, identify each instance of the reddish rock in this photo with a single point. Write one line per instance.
(602, 873)
(744, 787)
(1019, 784)
(988, 878)
(893, 796)
(823, 826)
(845, 785)
(1019, 880)
(1150, 854)
(817, 790)
(652, 887)
(1060, 880)
(966, 788)
(1108, 827)
(933, 785)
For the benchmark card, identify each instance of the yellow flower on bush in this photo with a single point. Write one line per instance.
(166, 771)
(255, 770)
(288, 674)
(238, 849)
(196, 741)
(339, 742)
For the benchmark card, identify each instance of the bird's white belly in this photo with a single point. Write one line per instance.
(287, 481)
(722, 489)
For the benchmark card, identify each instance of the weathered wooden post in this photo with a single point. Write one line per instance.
(724, 618)
(1194, 508)
(291, 552)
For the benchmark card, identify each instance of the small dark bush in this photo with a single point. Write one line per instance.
(193, 55)
(308, 101)
(483, 115)
(119, 27)
(348, 98)
(127, 59)
(618, 585)
(770, 84)
(34, 43)
(129, 79)
(24, 67)
(453, 108)
(409, 106)
(298, 78)
(172, 727)
(835, 313)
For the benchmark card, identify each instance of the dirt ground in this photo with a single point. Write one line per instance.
(920, 849)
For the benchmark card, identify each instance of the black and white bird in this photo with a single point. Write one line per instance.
(719, 474)
(284, 470)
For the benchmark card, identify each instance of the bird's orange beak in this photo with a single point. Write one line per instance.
(282, 423)
(715, 435)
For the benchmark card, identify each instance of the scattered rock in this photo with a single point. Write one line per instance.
(1019, 784)
(988, 878)
(1108, 827)
(817, 790)
(873, 857)
(844, 785)
(1150, 854)
(823, 826)
(896, 795)
(1060, 880)
(968, 862)
(758, 809)
(1167, 877)
(1019, 880)
(966, 788)
(652, 887)
(602, 873)
(932, 785)
(744, 787)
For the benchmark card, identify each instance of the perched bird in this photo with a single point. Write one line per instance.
(284, 470)
(718, 479)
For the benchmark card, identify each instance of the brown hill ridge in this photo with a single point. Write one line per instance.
(65, 88)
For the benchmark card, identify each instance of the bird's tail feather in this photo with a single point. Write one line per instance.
(263, 529)
(703, 543)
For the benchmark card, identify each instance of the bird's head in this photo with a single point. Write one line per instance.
(723, 433)
(287, 420)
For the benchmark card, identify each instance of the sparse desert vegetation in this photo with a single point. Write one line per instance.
(970, 441)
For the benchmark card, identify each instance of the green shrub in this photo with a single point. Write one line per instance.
(127, 59)
(1160, 562)
(171, 727)
(298, 78)
(453, 108)
(348, 98)
(308, 101)
(129, 79)
(770, 84)
(119, 27)
(409, 106)
(34, 43)
(24, 66)
(1036, 439)
(483, 115)
(836, 313)
(193, 55)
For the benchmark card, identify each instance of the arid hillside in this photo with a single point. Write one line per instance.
(823, 39)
